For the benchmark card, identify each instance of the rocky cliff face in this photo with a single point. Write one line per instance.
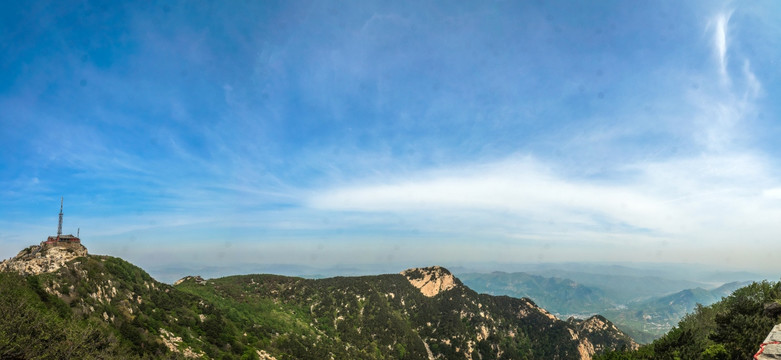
(44, 258)
(596, 327)
(197, 279)
(431, 280)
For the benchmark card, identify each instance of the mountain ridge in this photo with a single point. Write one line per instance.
(279, 317)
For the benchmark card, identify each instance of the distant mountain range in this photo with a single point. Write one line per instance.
(558, 295)
(644, 306)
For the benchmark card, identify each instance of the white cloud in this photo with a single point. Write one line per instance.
(753, 86)
(774, 193)
(722, 106)
(720, 38)
(698, 201)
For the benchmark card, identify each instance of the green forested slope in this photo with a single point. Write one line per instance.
(385, 317)
(104, 307)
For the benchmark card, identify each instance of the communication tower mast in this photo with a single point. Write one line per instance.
(59, 227)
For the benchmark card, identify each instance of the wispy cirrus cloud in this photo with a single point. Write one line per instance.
(719, 27)
(680, 198)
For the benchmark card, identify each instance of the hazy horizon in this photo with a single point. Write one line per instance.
(370, 134)
(704, 276)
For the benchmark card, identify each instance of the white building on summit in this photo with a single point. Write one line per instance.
(61, 239)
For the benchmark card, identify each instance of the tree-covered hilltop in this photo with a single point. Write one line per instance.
(82, 311)
(386, 317)
(732, 328)
(101, 307)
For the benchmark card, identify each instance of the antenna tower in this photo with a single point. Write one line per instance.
(59, 227)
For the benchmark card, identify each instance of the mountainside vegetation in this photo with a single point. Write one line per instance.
(648, 320)
(38, 325)
(102, 307)
(732, 328)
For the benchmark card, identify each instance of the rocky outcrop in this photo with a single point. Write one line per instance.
(263, 355)
(173, 343)
(431, 280)
(44, 258)
(198, 280)
(595, 333)
(772, 309)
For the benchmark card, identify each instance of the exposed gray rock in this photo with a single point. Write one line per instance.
(772, 309)
(198, 280)
(38, 259)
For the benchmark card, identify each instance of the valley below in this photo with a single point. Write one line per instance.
(641, 304)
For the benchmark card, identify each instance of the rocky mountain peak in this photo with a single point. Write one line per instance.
(197, 278)
(44, 258)
(431, 280)
(597, 327)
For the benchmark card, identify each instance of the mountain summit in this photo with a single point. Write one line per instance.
(43, 258)
(431, 280)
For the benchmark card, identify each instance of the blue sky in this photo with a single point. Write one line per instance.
(350, 133)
